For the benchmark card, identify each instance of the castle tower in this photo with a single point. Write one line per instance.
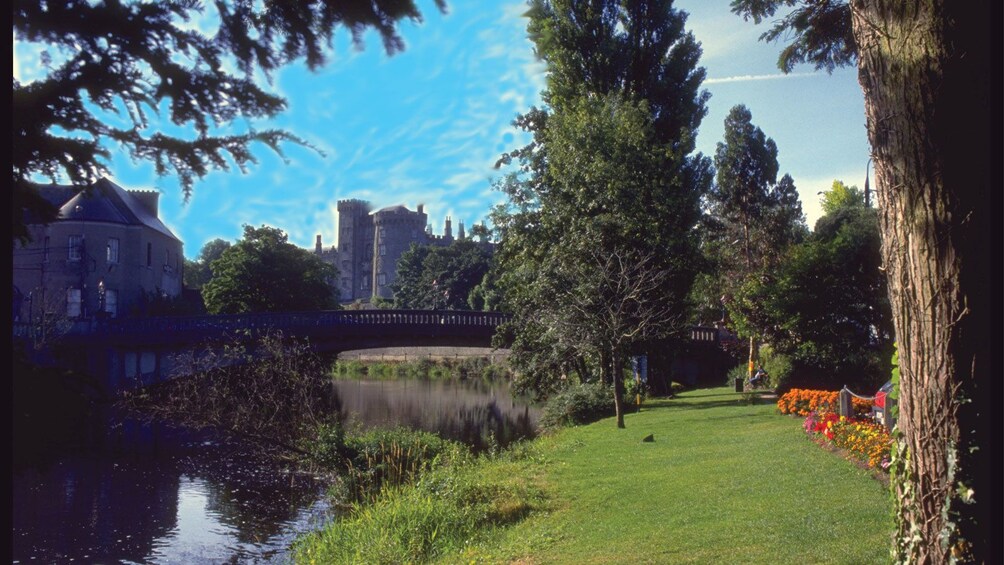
(448, 232)
(396, 229)
(460, 233)
(355, 249)
(317, 245)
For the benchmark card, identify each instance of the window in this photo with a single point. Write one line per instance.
(73, 302)
(383, 233)
(383, 250)
(112, 254)
(45, 250)
(111, 302)
(345, 284)
(76, 244)
(364, 284)
(149, 254)
(382, 279)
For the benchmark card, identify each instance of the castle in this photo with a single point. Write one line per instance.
(370, 244)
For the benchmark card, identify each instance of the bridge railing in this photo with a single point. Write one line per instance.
(281, 320)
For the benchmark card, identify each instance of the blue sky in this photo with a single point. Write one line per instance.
(427, 125)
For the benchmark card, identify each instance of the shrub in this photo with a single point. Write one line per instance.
(778, 367)
(578, 404)
(740, 371)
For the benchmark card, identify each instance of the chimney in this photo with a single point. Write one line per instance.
(148, 200)
(421, 208)
(317, 244)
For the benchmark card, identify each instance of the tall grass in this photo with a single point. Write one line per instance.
(449, 511)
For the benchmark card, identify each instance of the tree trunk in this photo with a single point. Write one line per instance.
(618, 377)
(923, 67)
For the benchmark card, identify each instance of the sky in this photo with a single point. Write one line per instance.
(427, 125)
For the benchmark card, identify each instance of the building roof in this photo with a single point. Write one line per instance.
(394, 210)
(104, 202)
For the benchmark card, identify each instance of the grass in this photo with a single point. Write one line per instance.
(723, 482)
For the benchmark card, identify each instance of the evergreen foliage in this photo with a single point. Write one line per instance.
(112, 69)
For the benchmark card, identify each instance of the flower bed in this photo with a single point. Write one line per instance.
(802, 402)
(865, 441)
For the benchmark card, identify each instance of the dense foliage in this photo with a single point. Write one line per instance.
(198, 272)
(430, 277)
(596, 238)
(111, 69)
(826, 304)
(263, 272)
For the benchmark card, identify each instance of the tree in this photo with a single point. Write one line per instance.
(432, 277)
(923, 68)
(758, 214)
(841, 195)
(609, 173)
(827, 305)
(113, 66)
(263, 272)
(198, 273)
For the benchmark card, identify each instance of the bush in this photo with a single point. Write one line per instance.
(740, 371)
(778, 367)
(578, 404)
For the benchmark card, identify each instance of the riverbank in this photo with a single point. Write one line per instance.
(723, 481)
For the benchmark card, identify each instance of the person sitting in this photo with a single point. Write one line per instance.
(758, 378)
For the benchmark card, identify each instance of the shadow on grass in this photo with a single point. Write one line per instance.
(730, 400)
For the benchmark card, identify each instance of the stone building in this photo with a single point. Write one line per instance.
(370, 244)
(105, 254)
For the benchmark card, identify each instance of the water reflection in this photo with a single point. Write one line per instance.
(151, 494)
(474, 412)
(144, 493)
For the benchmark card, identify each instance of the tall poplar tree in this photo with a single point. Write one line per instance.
(925, 68)
(596, 237)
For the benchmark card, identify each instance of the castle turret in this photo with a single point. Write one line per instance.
(448, 232)
(460, 233)
(317, 245)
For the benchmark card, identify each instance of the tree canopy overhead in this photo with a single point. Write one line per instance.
(145, 79)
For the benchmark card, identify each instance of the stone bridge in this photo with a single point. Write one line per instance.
(127, 352)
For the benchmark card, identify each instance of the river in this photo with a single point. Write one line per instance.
(147, 493)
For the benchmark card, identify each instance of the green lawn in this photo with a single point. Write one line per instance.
(723, 482)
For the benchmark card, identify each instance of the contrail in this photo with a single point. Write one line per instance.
(744, 78)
